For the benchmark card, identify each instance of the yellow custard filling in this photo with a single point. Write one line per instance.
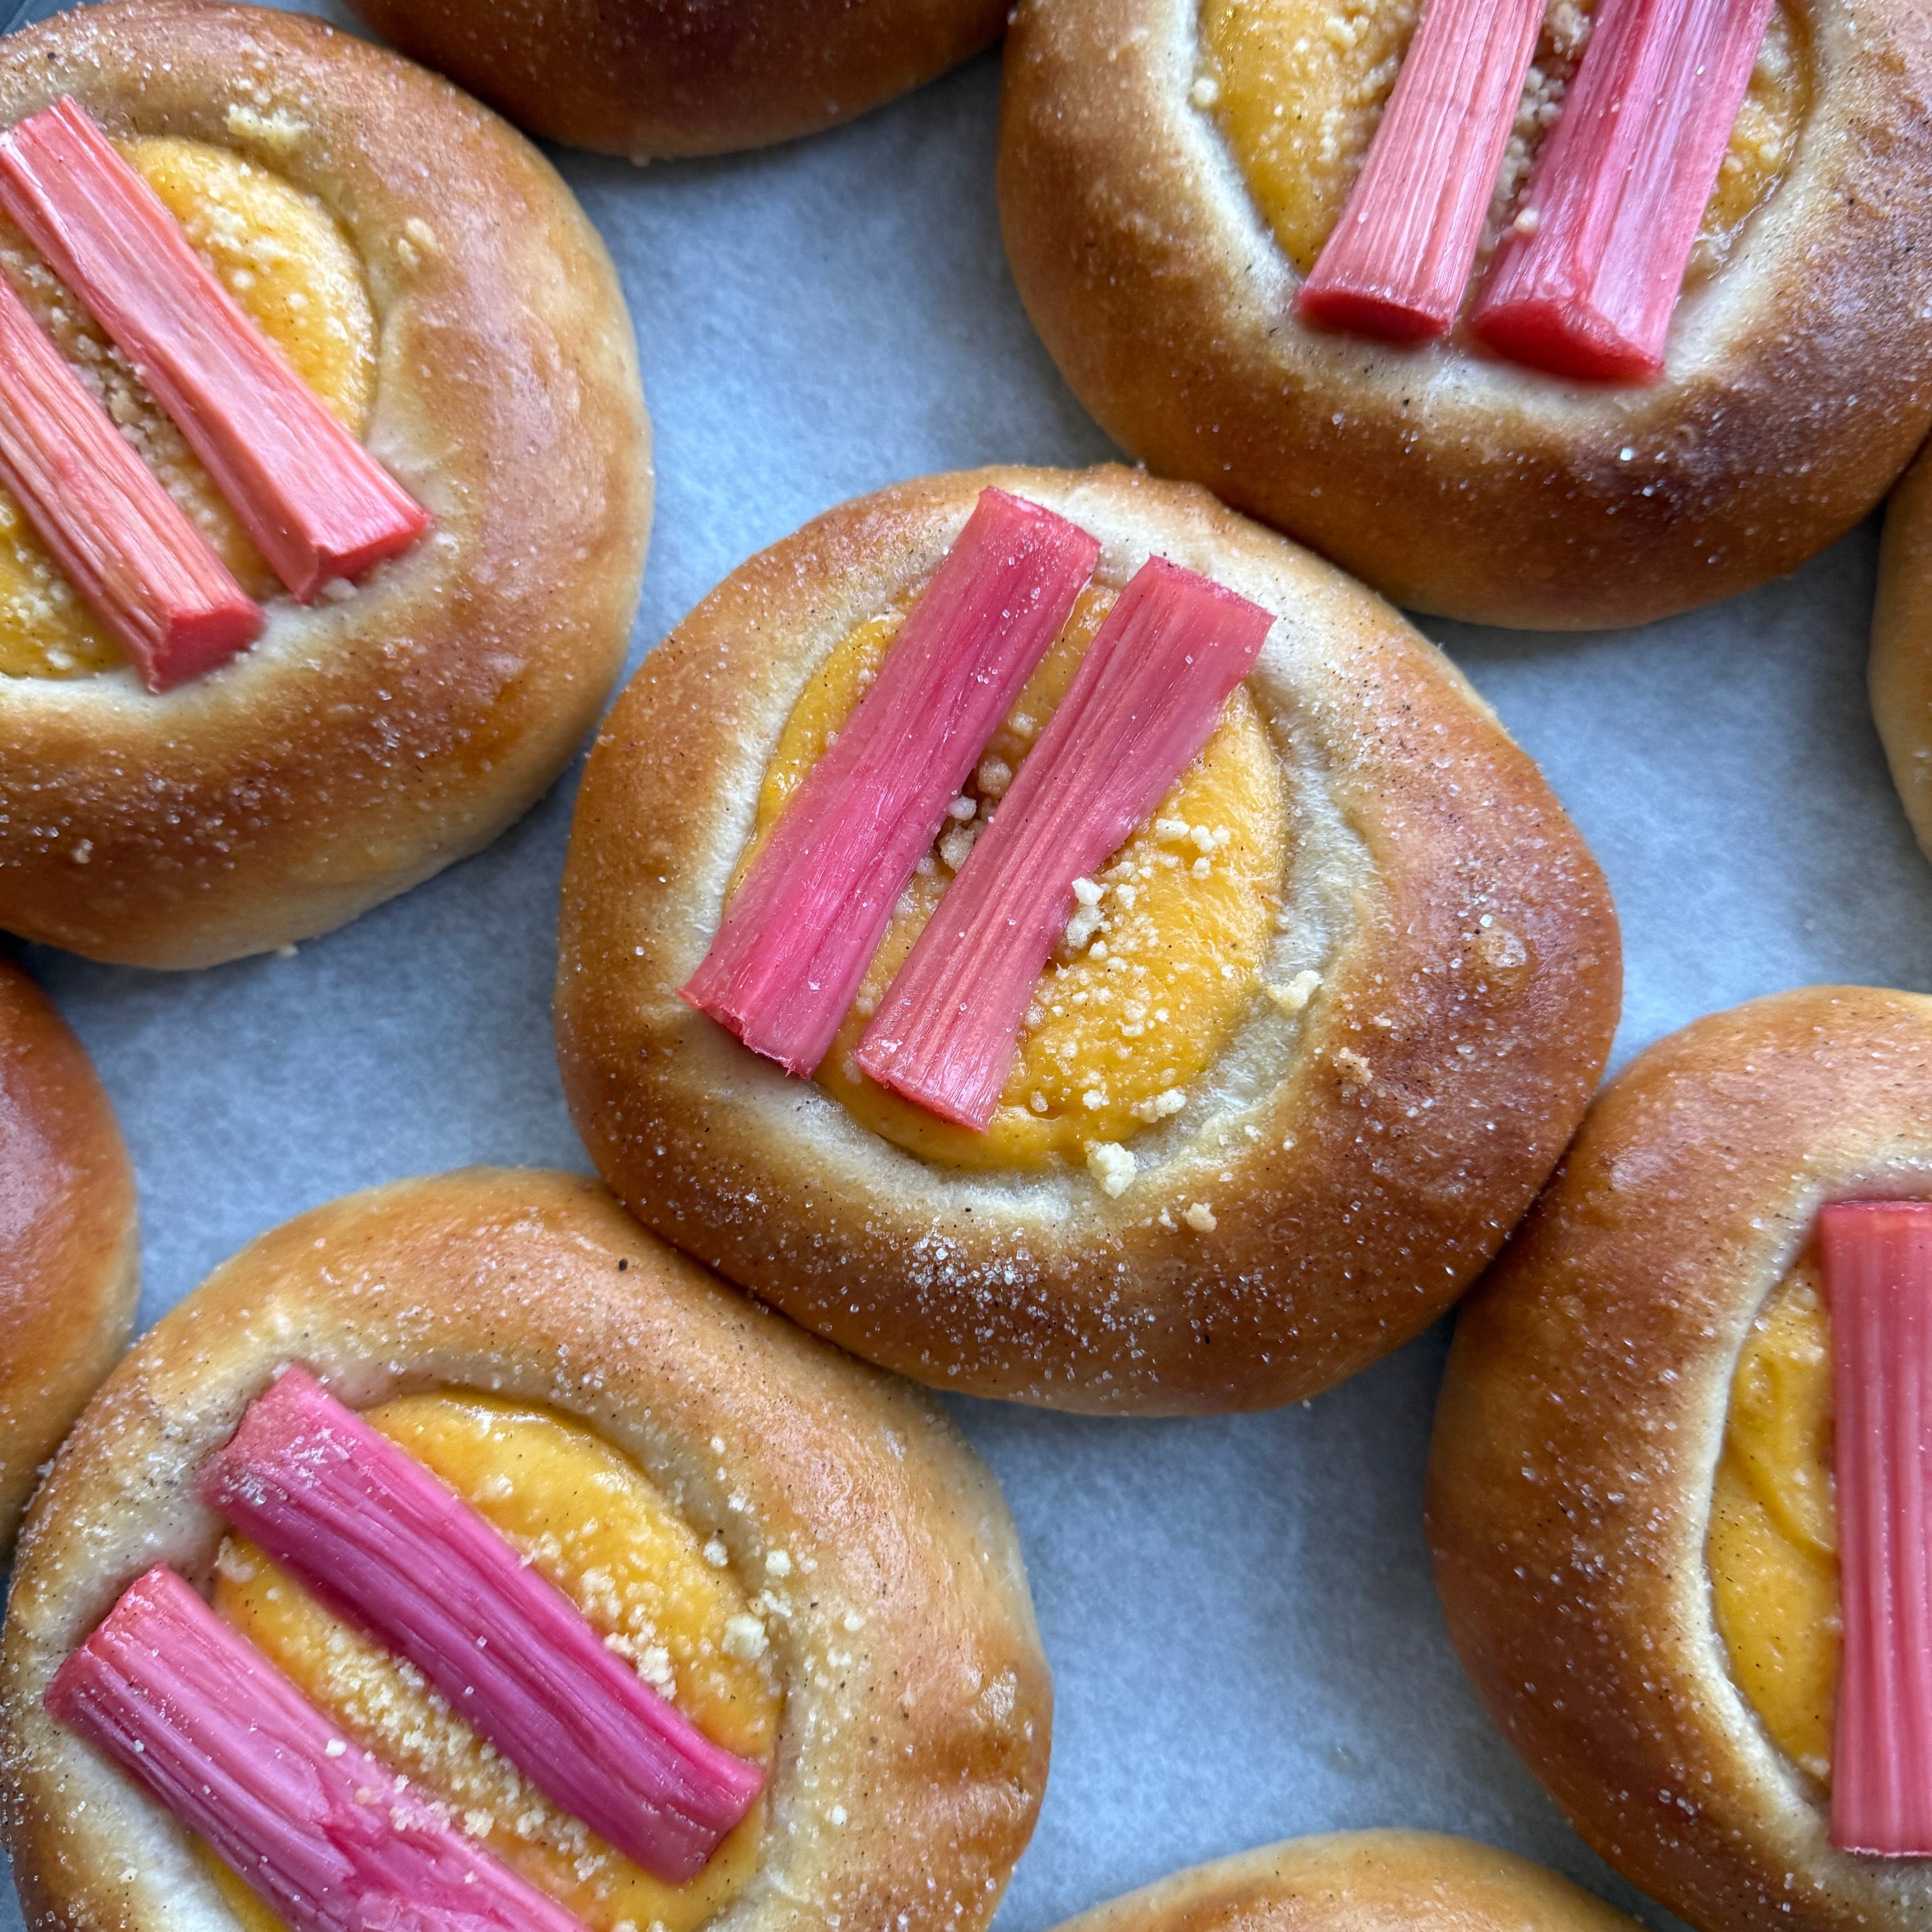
(1298, 87)
(1152, 980)
(1773, 1549)
(591, 1522)
(283, 257)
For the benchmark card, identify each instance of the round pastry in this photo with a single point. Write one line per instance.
(1634, 1493)
(1311, 1038)
(646, 78)
(1359, 1882)
(1170, 171)
(427, 275)
(70, 1247)
(801, 1556)
(1901, 655)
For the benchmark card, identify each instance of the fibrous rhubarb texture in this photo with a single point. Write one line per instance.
(1145, 700)
(381, 1542)
(144, 569)
(1400, 258)
(1878, 1282)
(1585, 284)
(801, 929)
(333, 1840)
(317, 504)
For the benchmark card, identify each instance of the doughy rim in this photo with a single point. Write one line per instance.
(1799, 383)
(70, 1258)
(1416, 817)
(929, 1724)
(1580, 1428)
(1899, 674)
(1374, 1881)
(358, 747)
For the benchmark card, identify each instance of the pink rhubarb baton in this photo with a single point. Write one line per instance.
(332, 1839)
(1400, 258)
(146, 571)
(318, 505)
(1585, 284)
(801, 929)
(1146, 698)
(381, 1542)
(1878, 1280)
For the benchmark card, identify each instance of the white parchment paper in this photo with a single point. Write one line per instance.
(1243, 1629)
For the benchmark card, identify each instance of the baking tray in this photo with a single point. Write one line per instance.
(1245, 1639)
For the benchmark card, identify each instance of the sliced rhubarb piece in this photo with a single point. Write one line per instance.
(1878, 1282)
(379, 1541)
(801, 929)
(1146, 698)
(1400, 258)
(144, 569)
(1585, 284)
(318, 505)
(331, 1838)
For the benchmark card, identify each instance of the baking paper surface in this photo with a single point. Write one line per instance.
(1245, 1639)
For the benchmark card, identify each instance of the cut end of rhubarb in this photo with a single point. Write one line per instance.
(1146, 698)
(1384, 317)
(1878, 1281)
(798, 933)
(1563, 338)
(378, 1539)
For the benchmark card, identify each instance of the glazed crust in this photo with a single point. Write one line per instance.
(646, 78)
(1580, 1425)
(70, 1246)
(1362, 1159)
(359, 746)
(916, 1696)
(1359, 1882)
(1901, 657)
(1799, 378)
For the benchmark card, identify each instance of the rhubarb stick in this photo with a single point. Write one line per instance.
(1878, 1281)
(1400, 258)
(146, 571)
(1585, 284)
(800, 931)
(381, 1542)
(332, 1839)
(318, 505)
(1146, 698)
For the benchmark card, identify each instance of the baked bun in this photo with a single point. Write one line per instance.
(70, 1246)
(1798, 375)
(1901, 654)
(1267, 1203)
(907, 1705)
(646, 78)
(367, 740)
(1660, 1652)
(1359, 1882)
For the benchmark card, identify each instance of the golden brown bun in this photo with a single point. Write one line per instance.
(1359, 1882)
(69, 1244)
(360, 746)
(1579, 1431)
(1900, 674)
(645, 78)
(1799, 379)
(929, 1726)
(1427, 1091)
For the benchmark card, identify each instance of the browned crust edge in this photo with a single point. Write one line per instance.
(1800, 377)
(644, 79)
(1579, 1430)
(917, 1698)
(69, 1238)
(1382, 1881)
(1425, 1096)
(360, 746)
